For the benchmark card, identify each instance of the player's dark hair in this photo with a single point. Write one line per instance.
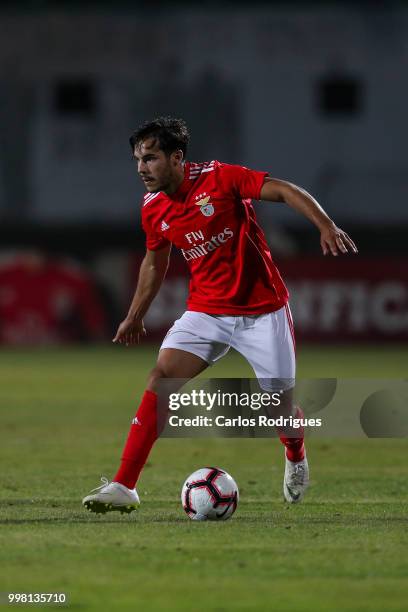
(171, 133)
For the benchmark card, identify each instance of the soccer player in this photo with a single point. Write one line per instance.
(236, 296)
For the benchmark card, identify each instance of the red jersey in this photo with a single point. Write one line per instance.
(210, 218)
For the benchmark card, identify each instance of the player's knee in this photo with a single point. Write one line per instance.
(285, 407)
(154, 378)
(165, 379)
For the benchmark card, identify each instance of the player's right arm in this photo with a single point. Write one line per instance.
(151, 275)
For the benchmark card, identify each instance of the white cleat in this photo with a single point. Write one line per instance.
(296, 480)
(111, 496)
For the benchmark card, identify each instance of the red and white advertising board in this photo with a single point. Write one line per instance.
(344, 299)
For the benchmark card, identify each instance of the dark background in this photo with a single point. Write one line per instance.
(315, 93)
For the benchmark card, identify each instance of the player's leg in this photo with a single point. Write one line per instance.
(296, 476)
(267, 342)
(195, 341)
(172, 366)
(177, 364)
(120, 494)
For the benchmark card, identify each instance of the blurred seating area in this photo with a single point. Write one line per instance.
(313, 96)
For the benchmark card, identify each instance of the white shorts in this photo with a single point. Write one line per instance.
(266, 341)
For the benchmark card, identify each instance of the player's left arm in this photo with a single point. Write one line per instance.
(332, 239)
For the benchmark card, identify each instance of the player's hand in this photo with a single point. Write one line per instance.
(333, 240)
(129, 332)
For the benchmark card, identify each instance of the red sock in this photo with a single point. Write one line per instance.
(142, 435)
(295, 447)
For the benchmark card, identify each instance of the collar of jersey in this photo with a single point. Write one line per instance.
(184, 187)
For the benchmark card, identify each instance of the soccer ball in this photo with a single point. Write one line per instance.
(209, 494)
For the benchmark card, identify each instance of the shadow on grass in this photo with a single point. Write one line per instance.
(97, 519)
(276, 515)
(266, 521)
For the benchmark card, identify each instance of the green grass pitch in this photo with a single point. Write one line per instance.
(64, 415)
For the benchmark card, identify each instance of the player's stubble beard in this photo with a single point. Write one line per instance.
(169, 181)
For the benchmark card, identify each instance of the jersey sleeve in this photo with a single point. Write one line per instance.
(154, 240)
(244, 182)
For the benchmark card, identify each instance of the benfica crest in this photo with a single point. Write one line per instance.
(206, 208)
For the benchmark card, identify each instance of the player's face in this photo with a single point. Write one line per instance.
(158, 171)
